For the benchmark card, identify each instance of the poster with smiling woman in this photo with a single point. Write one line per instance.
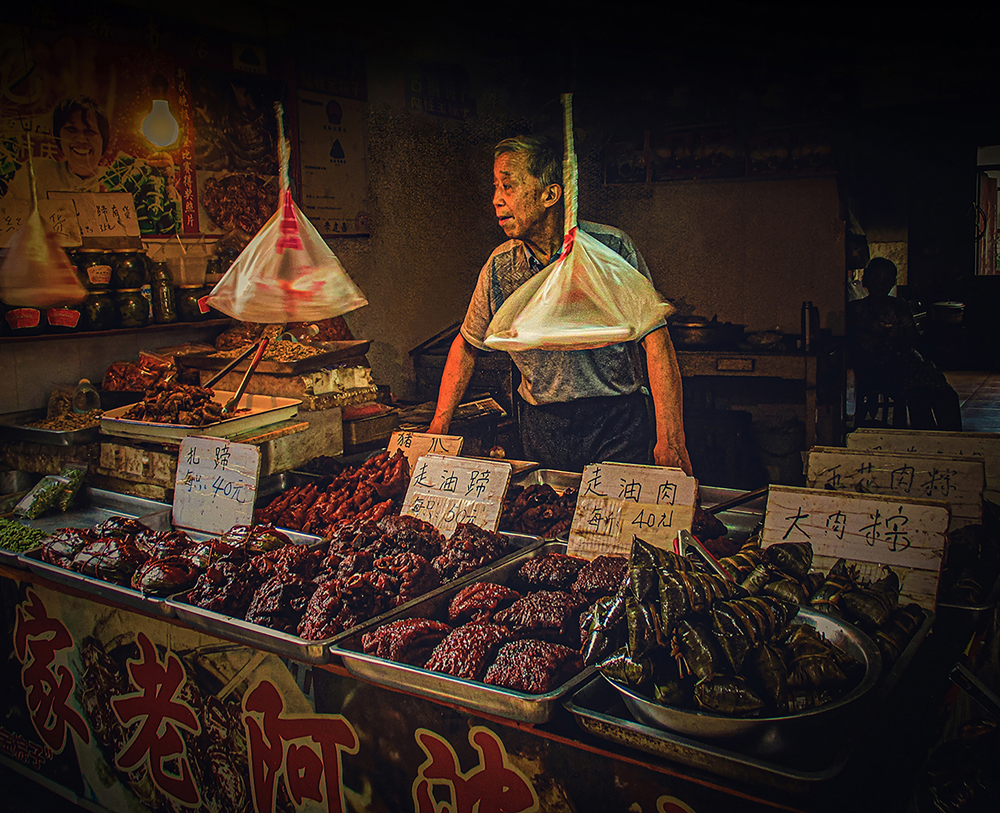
(102, 117)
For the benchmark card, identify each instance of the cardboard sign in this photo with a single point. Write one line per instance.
(954, 444)
(417, 444)
(216, 484)
(619, 500)
(58, 215)
(907, 534)
(447, 491)
(103, 214)
(958, 481)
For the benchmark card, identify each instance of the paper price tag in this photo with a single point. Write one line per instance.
(415, 445)
(619, 500)
(216, 484)
(103, 214)
(958, 481)
(447, 491)
(985, 445)
(907, 534)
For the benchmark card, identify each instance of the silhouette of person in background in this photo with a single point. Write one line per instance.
(882, 338)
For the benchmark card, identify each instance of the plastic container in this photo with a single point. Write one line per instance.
(188, 269)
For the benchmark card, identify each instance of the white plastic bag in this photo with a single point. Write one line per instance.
(36, 272)
(590, 297)
(287, 272)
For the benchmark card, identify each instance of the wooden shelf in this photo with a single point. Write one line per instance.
(118, 331)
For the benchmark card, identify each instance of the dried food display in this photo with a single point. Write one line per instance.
(552, 571)
(138, 376)
(731, 645)
(180, 404)
(240, 200)
(538, 509)
(364, 569)
(372, 490)
(123, 551)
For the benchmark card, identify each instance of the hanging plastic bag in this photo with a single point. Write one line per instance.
(36, 272)
(590, 297)
(287, 273)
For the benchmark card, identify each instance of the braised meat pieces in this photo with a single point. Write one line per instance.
(468, 651)
(533, 666)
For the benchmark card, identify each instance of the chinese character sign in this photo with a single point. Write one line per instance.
(448, 491)
(415, 445)
(494, 785)
(48, 683)
(157, 718)
(618, 500)
(216, 484)
(303, 751)
(907, 535)
(958, 481)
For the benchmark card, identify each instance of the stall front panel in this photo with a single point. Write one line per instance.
(126, 711)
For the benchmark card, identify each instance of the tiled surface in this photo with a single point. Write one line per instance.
(979, 393)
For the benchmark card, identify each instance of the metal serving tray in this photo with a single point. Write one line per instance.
(95, 506)
(97, 587)
(260, 410)
(470, 694)
(292, 646)
(600, 710)
(13, 426)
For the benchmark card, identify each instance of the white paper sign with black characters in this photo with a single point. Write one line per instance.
(869, 530)
(619, 500)
(448, 491)
(216, 484)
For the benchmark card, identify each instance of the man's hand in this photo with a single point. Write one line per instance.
(666, 454)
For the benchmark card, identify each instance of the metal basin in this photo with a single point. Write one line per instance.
(772, 733)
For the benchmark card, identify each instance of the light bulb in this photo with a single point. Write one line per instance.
(160, 126)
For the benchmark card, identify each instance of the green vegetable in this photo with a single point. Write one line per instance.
(18, 538)
(74, 474)
(42, 497)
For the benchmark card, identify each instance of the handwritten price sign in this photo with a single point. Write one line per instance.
(619, 500)
(415, 445)
(216, 484)
(906, 534)
(447, 491)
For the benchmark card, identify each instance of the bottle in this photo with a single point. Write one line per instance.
(810, 325)
(85, 397)
(164, 299)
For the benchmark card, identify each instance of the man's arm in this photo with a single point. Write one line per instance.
(665, 387)
(457, 371)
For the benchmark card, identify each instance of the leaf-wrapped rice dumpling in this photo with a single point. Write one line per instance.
(727, 694)
(620, 666)
(791, 558)
(699, 650)
(869, 607)
(604, 627)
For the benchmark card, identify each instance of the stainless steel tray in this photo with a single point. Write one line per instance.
(600, 710)
(561, 481)
(292, 646)
(262, 410)
(97, 587)
(470, 694)
(13, 427)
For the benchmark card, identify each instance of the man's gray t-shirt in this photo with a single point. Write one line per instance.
(556, 376)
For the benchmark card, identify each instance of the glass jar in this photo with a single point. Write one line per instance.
(98, 310)
(188, 309)
(64, 319)
(128, 269)
(164, 296)
(94, 268)
(131, 308)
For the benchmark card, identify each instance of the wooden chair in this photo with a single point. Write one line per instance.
(875, 406)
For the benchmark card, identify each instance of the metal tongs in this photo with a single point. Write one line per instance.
(232, 404)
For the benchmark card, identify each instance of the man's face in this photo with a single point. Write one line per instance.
(82, 144)
(517, 196)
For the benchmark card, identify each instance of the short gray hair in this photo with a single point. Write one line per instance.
(544, 156)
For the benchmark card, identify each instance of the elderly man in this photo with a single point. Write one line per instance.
(579, 406)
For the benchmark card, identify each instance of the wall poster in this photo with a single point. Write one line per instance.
(100, 116)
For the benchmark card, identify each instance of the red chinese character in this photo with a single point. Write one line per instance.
(37, 639)
(157, 740)
(493, 786)
(309, 773)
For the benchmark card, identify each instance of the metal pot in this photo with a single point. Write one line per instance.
(698, 332)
